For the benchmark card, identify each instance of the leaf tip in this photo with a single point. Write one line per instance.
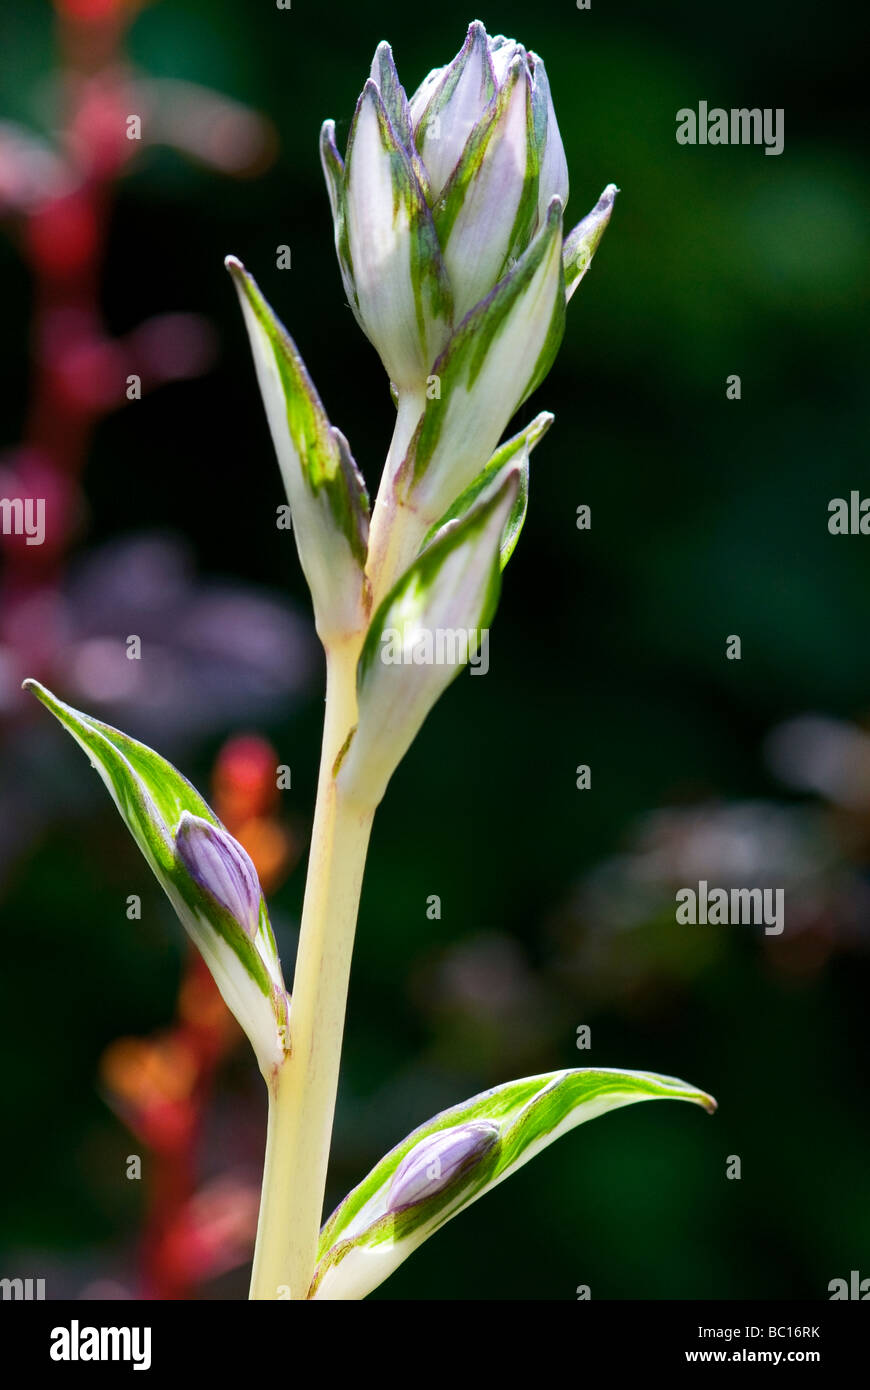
(242, 278)
(539, 426)
(34, 687)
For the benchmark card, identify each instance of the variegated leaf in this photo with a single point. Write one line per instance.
(206, 875)
(328, 501)
(496, 357)
(582, 243)
(513, 451)
(431, 623)
(453, 1159)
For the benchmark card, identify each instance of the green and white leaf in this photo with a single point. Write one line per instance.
(374, 1229)
(151, 796)
(497, 356)
(328, 502)
(386, 79)
(513, 451)
(427, 628)
(334, 173)
(582, 243)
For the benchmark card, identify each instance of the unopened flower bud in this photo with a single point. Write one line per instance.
(222, 868)
(441, 195)
(438, 1161)
(205, 873)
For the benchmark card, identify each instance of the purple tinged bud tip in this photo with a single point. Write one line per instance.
(437, 1161)
(219, 865)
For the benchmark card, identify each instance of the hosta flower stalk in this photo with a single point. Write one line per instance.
(448, 209)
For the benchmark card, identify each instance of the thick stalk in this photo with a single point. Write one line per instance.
(270, 1278)
(302, 1092)
(396, 530)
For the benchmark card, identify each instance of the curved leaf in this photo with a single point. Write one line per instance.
(155, 801)
(514, 451)
(431, 623)
(392, 1211)
(325, 489)
(582, 243)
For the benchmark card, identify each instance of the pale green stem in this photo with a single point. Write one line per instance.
(270, 1277)
(396, 529)
(303, 1089)
(302, 1092)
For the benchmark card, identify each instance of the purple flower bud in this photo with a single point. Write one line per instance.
(219, 865)
(437, 1161)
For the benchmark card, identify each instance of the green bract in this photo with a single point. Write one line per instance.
(582, 244)
(212, 899)
(515, 451)
(461, 1154)
(503, 349)
(328, 500)
(430, 624)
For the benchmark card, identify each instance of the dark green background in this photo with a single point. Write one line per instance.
(709, 518)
